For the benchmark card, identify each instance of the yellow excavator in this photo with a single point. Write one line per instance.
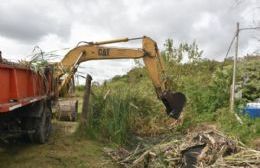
(85, 51)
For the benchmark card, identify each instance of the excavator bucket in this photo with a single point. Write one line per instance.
(174, 103)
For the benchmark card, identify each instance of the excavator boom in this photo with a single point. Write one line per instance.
(173, 102)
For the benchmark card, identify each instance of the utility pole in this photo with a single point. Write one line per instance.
(232, 99)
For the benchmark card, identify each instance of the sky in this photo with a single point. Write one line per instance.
(59, 24)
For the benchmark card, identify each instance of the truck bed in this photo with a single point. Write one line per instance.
(20, 86)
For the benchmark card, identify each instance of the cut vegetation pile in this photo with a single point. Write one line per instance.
(201, 149)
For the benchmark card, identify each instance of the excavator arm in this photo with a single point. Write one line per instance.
(173, 102)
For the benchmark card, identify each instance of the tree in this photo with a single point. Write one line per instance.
(173, 54)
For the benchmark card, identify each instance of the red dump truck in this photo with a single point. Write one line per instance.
(25, 101)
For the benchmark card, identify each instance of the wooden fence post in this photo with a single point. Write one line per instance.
(85, 105)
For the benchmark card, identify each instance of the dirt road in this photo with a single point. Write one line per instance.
(62, 150)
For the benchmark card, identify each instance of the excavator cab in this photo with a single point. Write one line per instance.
(174, 103)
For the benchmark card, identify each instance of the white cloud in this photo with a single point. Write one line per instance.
(12, 50)
(55, 24)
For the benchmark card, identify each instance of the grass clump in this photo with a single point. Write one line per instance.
(109, 116)
(116, 113)
(246, 132)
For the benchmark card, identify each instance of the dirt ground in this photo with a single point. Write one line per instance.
(62, 150)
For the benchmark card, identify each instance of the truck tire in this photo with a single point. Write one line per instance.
(42, 125)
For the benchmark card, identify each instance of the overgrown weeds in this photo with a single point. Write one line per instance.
(116, 113)
(127, 105)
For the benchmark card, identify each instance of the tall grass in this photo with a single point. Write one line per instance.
(112, 113)
(120, 109)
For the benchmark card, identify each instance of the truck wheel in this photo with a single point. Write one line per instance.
(42, 125)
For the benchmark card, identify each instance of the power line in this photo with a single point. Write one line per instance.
(234, 37)
(230, 45)
(250, 28)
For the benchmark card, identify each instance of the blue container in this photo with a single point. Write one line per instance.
(253, 110)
